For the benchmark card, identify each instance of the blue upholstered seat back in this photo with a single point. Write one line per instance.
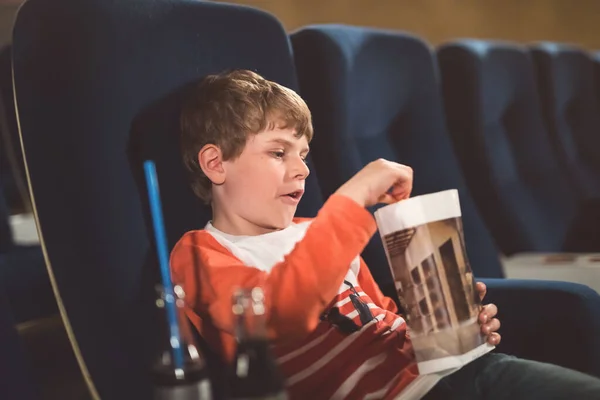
(375, 94)
(97, 85)
(493, 114)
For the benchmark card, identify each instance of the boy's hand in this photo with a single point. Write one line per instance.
(380, 181)
(489, 324)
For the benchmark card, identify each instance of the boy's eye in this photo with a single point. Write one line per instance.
(278, 154)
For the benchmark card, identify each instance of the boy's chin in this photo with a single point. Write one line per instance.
(282, 225)
(282, 222)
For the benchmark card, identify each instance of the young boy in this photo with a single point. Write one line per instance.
(245, 141)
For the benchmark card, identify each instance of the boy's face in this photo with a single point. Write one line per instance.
(263, 186)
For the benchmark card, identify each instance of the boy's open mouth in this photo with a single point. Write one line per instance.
(296, 195)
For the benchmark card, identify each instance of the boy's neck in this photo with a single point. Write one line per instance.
(242, 228)
(237, 225)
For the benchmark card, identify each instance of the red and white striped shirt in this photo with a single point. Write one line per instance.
(304, 282)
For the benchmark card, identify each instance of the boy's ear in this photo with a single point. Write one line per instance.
(210, 160)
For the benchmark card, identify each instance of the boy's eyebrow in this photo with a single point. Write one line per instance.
(287, 143)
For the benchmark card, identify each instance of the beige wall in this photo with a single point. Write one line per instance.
(573, 21)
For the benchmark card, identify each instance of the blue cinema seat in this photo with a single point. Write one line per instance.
(494, 118)
(596, 57)
(16, 382)
(571, 110)
(22, 266)
(374, 94)
(24, 274)
(12, 168)
(98, 84)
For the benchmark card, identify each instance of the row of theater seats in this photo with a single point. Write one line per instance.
(98, 89)
(524, 124)
(526, 128)
(531, 167)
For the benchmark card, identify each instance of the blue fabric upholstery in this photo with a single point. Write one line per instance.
(596, 57)
(23, 271)
(374, 94)
(7, 242)
(571, 111)
(27, 284)
(556, 322)
(22, 267)
(15, 378)
(88, 74)
(494, 117)
(12, 169)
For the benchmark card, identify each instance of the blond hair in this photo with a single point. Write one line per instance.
(225, 109)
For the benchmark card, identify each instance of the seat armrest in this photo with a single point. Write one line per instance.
(548, 321)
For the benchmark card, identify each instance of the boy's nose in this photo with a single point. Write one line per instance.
(300, 169)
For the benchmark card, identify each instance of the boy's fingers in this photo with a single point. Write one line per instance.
(481, 289)
(491, 310)
(402, 188)
(394, 195)
(494, 339)
(386, 199)
(483, 318)
(488, 312)
(491, 327)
